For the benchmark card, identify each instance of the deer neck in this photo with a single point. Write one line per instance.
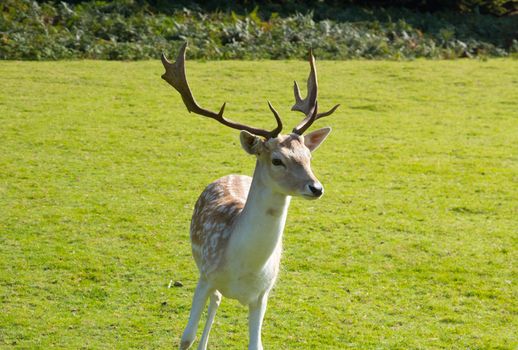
(262, 221)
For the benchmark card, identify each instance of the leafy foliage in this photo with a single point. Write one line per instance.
(324, 8)
(126, 30)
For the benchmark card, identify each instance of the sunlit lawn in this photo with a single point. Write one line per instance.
(413, 246)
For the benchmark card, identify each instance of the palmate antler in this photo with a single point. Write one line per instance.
(175, 76)
(309, 105)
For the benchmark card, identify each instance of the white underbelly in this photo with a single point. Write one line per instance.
(245, 284)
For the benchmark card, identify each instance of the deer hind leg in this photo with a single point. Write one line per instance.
(215, 300)
(199, 300)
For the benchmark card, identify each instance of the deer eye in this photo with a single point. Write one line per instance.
(277, 162)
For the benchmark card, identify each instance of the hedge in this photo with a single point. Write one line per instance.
(130, 30)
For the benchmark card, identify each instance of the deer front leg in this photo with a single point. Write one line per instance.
(215, 300)
(198, 304)
(256, 312)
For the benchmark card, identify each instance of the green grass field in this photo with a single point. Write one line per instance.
(414, 245)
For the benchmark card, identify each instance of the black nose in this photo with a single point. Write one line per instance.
(316, 190)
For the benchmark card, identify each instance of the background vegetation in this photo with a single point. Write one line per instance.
(413, 246)
(133, 30)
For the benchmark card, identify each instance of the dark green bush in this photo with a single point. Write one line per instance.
(324, 9)
(129, 30)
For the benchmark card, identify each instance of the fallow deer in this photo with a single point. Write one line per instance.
(238, 221)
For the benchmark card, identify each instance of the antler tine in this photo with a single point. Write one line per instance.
(278, 129)
(309, 105)
(306, 122)
(175, 76)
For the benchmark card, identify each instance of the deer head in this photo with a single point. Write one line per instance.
(283, 161)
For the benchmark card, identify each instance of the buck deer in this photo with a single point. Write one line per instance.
(238, 221)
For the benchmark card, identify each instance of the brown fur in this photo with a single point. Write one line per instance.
(214, 215)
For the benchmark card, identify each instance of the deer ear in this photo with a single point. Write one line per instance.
(250, 143)
(315, 138)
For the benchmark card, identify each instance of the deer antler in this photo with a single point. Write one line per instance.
(309, 105)
(175, 76)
